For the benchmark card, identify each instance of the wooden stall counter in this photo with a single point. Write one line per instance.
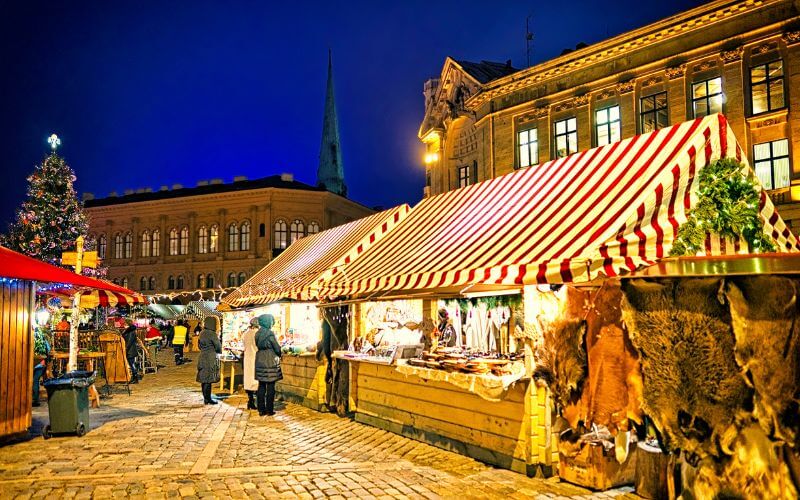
(303, 380)
(508, 431)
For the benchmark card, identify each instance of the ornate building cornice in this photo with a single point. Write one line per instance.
(675, 71)
(625, 87)
(534, 114)
(733, 55)
(581, 100)
(791, 37)
(562, 106)
(653, 80)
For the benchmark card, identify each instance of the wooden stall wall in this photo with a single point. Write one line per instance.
(16, 357)
(303, 381)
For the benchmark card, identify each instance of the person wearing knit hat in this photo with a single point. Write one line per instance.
(268, 365)
(207, 366)
(250, 350)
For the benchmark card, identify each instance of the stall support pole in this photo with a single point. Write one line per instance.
(72, 364)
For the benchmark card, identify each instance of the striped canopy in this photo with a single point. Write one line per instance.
(93, 298)
(296, 272)
(608, 210)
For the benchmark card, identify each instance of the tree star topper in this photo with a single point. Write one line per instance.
(54, 141)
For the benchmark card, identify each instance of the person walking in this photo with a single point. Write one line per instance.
(207, 365)
(179, 340)
(268, 365)
(129, 335)
(250, 350)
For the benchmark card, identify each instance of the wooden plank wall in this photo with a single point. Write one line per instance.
(303, 380)
(441, 414)
(16, 357)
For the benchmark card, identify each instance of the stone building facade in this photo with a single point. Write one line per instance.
(210, 236)
(741, 58)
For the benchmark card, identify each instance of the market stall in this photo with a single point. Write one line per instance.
(556, 233)
(287, 289)
(20, 278)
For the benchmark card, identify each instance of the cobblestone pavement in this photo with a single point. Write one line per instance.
(161, 441)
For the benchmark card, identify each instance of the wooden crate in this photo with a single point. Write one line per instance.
(597, 468)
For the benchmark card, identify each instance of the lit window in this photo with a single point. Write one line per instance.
(707, 97)
(145, 247)
(118, 246)
(653, 114)
(173, 241)
(244, 236)
(152, 283)
(566, 137)
(241, 279)
(313, 227)
(296, 230)
(156, 243)
(210, 280)
(202, 240)
(771, 160)
(232, 279)
(213, 239)
(607, 125)
(281, 234)
(463, 176)
(179, 282)
(124, 282)
(233, 238)
(171, 282)
(143, 283)
(128, 245)
(766, 87)
(101, 246)
(201, 281)
(528, 146)
(184, 240)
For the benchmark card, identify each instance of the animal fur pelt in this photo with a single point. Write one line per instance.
(692, 387)
(561, 361)
(764, 310)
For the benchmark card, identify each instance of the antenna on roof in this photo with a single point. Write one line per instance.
(528, 39)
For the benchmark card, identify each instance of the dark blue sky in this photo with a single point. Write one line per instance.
(160, 92)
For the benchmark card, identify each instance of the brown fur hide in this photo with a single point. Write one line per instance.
(692, 387)
(763, 310)
(337, 377)
(561, 361)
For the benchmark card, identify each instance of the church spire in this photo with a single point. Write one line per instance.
(330, 173)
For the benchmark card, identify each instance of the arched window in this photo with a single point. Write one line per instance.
(213, 239)
(202, 240)
(242, 279)
(102, 243)
(179, 282)
(173, 241)
(233, 238)
(313, 227)
(143, 283)
(210, 280)
(296, 231)
(171, 282)
(281, 234)
(145, 250)
(128, 245)
(232, 279)
(244, 236)
(201, 280)
(152, 283)
(118, 246)
(184, 239)
(125, 282)
(156, 243)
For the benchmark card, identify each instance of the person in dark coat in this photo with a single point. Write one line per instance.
(129, 335)
(268, 365)
(207, 365)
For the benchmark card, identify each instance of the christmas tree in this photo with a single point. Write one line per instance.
(51, 218)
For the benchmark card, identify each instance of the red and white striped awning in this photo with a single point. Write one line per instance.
(295, 273)
(608, 210)
(94, 298)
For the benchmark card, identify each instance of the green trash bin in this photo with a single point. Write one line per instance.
(68, 403)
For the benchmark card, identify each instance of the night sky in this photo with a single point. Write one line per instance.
(161, 92)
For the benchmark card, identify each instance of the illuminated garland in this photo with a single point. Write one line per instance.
(217, 293)
(728, 206)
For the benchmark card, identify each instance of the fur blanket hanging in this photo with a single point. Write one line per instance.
(561, 362)
(692, 387)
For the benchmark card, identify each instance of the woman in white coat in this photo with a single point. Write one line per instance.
(250, 350)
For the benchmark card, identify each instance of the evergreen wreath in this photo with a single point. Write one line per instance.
(728, 205)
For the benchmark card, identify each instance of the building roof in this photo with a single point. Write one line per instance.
(273, 181)
(486, 71)
(607, 211)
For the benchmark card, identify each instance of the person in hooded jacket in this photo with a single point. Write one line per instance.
(129, 336)
(250, 350)
(268, 365)
(207, 366)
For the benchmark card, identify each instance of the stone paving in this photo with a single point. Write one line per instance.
(161, 441)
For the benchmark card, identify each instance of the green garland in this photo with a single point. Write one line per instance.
(729, 197)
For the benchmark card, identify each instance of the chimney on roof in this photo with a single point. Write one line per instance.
(163, 188)
(202, 183)
(240, 178)
(216, 181)
(287, 177)
(88, 196)
(128, 191)
(177, 186)
(508, 63)
(112, 194)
